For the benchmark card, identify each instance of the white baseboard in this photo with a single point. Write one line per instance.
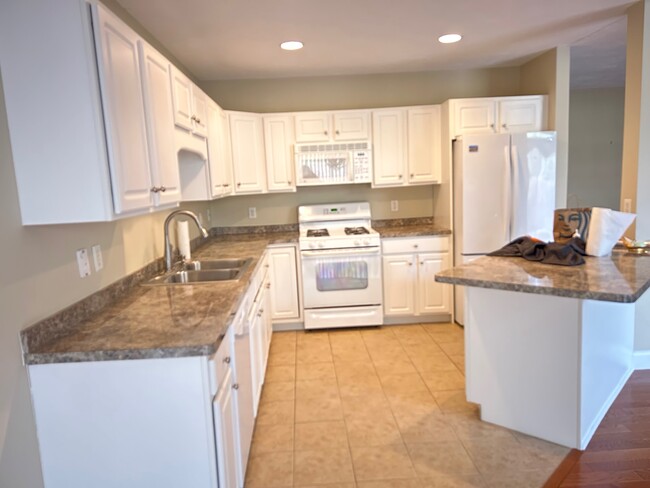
(641, 360)
(284, 326)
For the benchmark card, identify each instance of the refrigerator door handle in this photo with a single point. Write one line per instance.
(507, 192)
(515, 204)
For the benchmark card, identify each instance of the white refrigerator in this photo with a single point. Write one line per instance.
(504, 188)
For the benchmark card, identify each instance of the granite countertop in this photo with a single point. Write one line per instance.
(157, 321)
(175, 320)
(409, 228)
(622, 277)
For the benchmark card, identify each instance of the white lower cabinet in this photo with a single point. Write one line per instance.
(284, 290)
(409, 267)
(225, 433)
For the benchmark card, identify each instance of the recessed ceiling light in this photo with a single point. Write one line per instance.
(450, 38)
(291, 45)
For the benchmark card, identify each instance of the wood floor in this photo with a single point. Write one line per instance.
(619, 452)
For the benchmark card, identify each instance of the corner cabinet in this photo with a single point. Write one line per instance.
(247, 142)
(407, 146)
(498, 115)
(219, 152)
(409, 267)
(190, 104)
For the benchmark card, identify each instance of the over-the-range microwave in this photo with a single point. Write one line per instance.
(333, 164)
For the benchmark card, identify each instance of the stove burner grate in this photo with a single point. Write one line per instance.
(356, 231)
(318, 233)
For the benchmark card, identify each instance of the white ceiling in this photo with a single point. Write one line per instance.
(238, 39)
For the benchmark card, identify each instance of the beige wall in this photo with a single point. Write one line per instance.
(361, 91)
(40, 277)
(595, 147)
(281, 208)
(636, 149)
(549, 74)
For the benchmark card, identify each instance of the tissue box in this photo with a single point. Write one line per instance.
(569, 220)
(606, 228)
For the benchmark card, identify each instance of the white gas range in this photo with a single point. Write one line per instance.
(341, 266)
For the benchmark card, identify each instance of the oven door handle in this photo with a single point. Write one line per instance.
(341, 252)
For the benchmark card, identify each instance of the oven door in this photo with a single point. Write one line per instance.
(341, 277)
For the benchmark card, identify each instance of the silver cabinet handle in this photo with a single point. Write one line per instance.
(410, 264)
(226, 185)
(289, 182)
(163, 189)
(416, 246)
(493, 127)
(505, 126)
(193, 117)
(337, 133)
(421, 263)
(412, 175)
(226, 360)
(235, 386)
(155, 189)
(238, 184)
(268, 285)
(399, 176)
(325, 132)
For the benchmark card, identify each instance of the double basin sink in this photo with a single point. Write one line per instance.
(208, 271)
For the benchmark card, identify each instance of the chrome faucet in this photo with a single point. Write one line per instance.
(168, 244)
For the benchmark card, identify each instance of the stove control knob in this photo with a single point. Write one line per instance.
(311, 245)
(321, 244)
(357, 243)
(366, 242)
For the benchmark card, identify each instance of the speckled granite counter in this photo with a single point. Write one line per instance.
(156, 321)
(623, 277)
(415, 227)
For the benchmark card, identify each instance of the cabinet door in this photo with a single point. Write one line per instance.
(156, 72)
(399, 283)
(284, 300)
(352, 126)
(225, 432)
(199, 112)
(278, 144)
(220, 161)
(257, 355)
(433, 297)
(124, 116)
(424, 146)
(247, 141)
(474, 116)
(313, 126)
(182, 98)
(521, 115)
(389, 154)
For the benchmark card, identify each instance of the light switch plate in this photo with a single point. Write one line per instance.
(394, 205)
(83, 262)
(97, 257)
(252, 212)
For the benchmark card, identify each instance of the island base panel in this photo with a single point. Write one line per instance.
(544, 365)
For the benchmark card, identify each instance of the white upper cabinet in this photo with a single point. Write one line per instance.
(522, 115)
(498, 115)
(352, 126)
(342, 125)
(219, 152)
(159, 113)
(407, 148)
(190, 104)
(389, 144)
(278, 144)
(424, 145)
(247, 139)
(124, 115)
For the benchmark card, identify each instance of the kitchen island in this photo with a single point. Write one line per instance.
(548, 348)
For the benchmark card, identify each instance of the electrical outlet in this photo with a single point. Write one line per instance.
(97, 257)
(394, 205)
(209, 216)
(252, 212)
(627, 205)
(83, 263)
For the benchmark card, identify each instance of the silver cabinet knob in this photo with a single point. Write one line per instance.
(226, 185)
(337, 133)
(226, 360)
(493, 127)
(268, 285)
(412, 175)
(289, 182)
(416, 246)
(399, 176)
(238, 184)
(193, 117)
(505, 126)
(163, 189)
(410, 264)
(235, 386)
(421, 263)
(155, 189)
(325, 132)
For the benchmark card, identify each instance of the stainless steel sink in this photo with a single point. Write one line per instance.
(217, 264)
(204, 272)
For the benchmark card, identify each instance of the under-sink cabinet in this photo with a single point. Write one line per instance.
(409, 268)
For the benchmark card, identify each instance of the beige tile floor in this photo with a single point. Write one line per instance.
(382, 408)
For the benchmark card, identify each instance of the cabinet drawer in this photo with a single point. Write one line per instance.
(221, 362)
(415, 244)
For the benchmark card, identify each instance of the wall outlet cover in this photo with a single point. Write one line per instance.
(83, 263)
(252, 212)
(97, 257)
(394, 205)
(627, 205)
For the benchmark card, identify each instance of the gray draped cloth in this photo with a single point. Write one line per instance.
(568, 253)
